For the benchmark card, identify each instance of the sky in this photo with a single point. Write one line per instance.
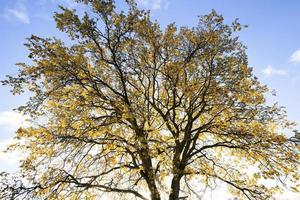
(272, 38)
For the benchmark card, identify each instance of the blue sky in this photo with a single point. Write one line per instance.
(272, 38)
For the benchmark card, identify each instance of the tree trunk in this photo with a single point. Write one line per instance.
(154, 192)
(149, 173)
(149, 177)
(175, 187)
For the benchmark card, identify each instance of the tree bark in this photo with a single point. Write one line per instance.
(175, 187)
(148, 171)
(150, 178)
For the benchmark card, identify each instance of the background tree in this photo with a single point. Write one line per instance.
(132, 109)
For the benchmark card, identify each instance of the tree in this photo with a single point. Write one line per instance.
(132, 109)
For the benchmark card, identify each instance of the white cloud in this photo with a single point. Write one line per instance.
(9, 160)
(19, 12)
(154, 4)
(270, 71)
(295, 57)
(10, 121)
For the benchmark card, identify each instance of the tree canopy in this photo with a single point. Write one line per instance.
(135, 110)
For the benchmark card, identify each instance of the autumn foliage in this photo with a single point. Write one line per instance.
(128, 108)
